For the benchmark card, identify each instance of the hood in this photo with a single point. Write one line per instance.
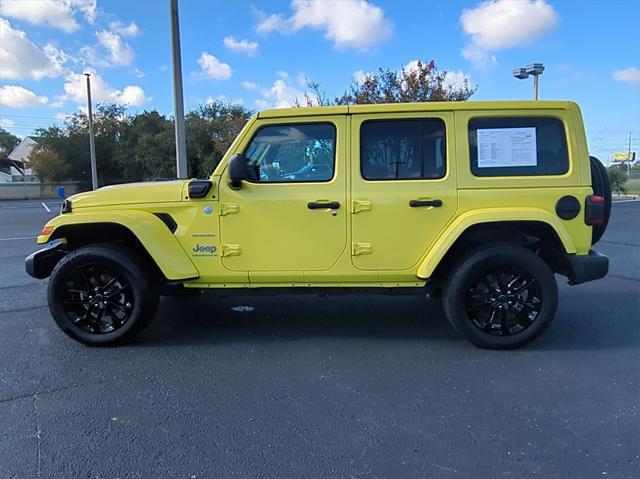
(131, 193)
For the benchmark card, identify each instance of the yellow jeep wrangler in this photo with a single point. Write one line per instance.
(481, 202)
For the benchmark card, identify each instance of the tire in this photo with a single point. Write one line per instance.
(476, 309)
(601, 187)
(102, 294)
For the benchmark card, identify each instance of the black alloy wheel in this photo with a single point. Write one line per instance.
(501, 296)
(96, 299)
(103, 294)
(503, 303)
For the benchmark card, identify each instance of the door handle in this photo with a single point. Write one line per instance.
(419, 203)
(317, 205)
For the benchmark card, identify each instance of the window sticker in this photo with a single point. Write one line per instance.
(507, 147)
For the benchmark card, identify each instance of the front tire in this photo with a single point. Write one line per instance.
(501, 296)
(102, 294)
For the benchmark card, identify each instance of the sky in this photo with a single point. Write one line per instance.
(262, 53)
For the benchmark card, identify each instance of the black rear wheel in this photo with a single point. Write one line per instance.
(102, 294)
(501, 296)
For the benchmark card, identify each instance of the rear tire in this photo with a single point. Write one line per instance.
(501, 296)
(102, 294)
(601, 187)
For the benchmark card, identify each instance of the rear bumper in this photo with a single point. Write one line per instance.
(41, 263)
(583, 268)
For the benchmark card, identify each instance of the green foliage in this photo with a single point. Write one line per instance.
(47, 165)
(141, 147)
(420, 84)
(7, 142)
(617, 178)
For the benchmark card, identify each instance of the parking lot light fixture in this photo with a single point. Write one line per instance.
(534, 70)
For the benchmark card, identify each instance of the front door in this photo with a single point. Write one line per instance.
(403, 187)
(294, 217)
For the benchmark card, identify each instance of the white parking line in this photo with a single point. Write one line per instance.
(45, 207)
(18, 238)
(623, 201)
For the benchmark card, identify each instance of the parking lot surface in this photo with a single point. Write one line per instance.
(347, 386)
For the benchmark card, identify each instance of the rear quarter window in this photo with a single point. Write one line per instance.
(518, 146)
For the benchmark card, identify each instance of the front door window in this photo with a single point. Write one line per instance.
(294, 153)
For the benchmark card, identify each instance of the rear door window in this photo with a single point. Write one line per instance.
(518, 146)
(403, 149)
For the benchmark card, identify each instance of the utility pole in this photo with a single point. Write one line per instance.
(178, 102)
(629, 158)
(92, 142)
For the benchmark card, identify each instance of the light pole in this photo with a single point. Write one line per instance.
(534, 70)
(178, 102)
(92, 142)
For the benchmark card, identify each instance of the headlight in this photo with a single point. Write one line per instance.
(66, 207)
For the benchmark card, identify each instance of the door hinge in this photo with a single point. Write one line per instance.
(358, 249)
(229, 209)
(358, 206)
(230, 250)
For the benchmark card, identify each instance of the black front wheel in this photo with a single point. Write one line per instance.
(102, 294)
(501, 296)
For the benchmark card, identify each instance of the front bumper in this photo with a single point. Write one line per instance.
(583, 268)
(41, 263)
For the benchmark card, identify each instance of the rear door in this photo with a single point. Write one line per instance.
(403, 186)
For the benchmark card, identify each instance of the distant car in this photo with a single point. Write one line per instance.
(481, 202)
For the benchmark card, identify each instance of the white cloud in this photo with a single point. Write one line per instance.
(75, 89)
(214, 68)
(249, 85)
(498, 24)
(359, 76)
(348, 24)
(455, 79)
(5, 122)
(240, 46)
(629, 75)
(478, 57)
(120, 28)
(224, 99)
(284, 95)
(110, 50)
(63, 116)
(59, 14)
(21, 58)
(14, 96)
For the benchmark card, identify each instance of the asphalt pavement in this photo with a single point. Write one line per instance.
(319, 387)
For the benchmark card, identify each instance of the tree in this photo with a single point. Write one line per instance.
(141, 147)
(421, 83)
(47, 165)
(210, 130)
(7, 142)
(617, 178)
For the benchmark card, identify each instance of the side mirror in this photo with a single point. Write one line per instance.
(239, 170)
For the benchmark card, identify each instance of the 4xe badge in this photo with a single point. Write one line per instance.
(204, 250)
